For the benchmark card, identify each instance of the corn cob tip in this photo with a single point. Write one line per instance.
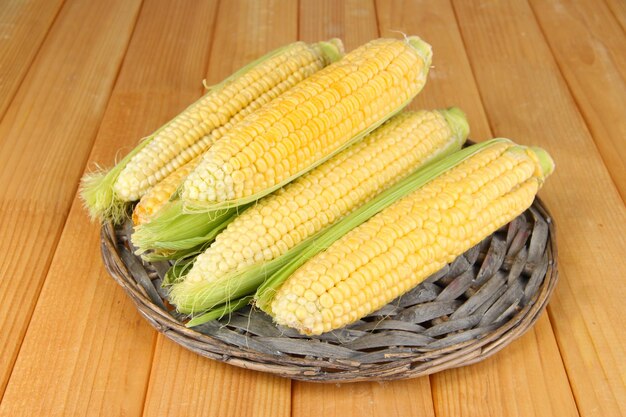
(184, 293)
(423, 49)
(332, 49)
(458, 123)
(96, 191)
(545, 161)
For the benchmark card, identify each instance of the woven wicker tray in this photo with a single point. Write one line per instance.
(466, 312)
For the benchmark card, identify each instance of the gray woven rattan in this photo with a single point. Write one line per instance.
(466, 312)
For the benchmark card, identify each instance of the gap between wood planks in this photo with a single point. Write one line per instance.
(157, 334)
(580, 107)
(64, 210)
(8, 99)
(588, 125)
(491, 127)
(592, 358)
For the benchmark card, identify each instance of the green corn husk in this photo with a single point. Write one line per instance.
(220, 312)
(173, 234)
(268, 288)
(207, 295)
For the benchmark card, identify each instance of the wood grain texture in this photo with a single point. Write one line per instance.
(23, 27)
(190, 385)
(88, 352)
(590, 49)
(450, 80)
(45, 138)
(352, 21)
(397, 398)
(247, 30)
(513, 77)
(85, 333)
(243, 32)
(458, 391)
(385, 399)
(523, 380)
(618, 8)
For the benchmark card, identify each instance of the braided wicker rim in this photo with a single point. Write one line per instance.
(468, 311)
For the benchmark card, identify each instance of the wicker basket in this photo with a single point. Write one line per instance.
(466, 312)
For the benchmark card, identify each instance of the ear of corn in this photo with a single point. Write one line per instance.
(259, 241)
(191, 132)
(267, 290)
(405, 243)
(155, 240)
(310, 123)
(156, 197)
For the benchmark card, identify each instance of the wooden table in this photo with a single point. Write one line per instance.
(82, 79)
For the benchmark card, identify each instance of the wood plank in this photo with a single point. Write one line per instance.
(450, 80)
(385, 399)
(85, 334)
(462, 391)
(244, 31)
(23, 27)
(356, 21)
(352, 21)
(526, 98)
(191, 385)
(45, 138)
(527, 378)
(618, 7)
(590, 49)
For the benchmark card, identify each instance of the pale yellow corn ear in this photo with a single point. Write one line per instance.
(194, 130)
(308, 124)
(157, 196)
(402, 245)
(281, 221)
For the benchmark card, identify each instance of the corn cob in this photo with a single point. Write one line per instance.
(307, 125)
(191, 132)
(282, 221)
(402, 245)
(157, 196)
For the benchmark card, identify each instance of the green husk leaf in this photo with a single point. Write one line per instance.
(176, 273)
(267, 290)
(178, 255)
(173, 230)
(219, 312)
(191, 297)
(96, 190)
